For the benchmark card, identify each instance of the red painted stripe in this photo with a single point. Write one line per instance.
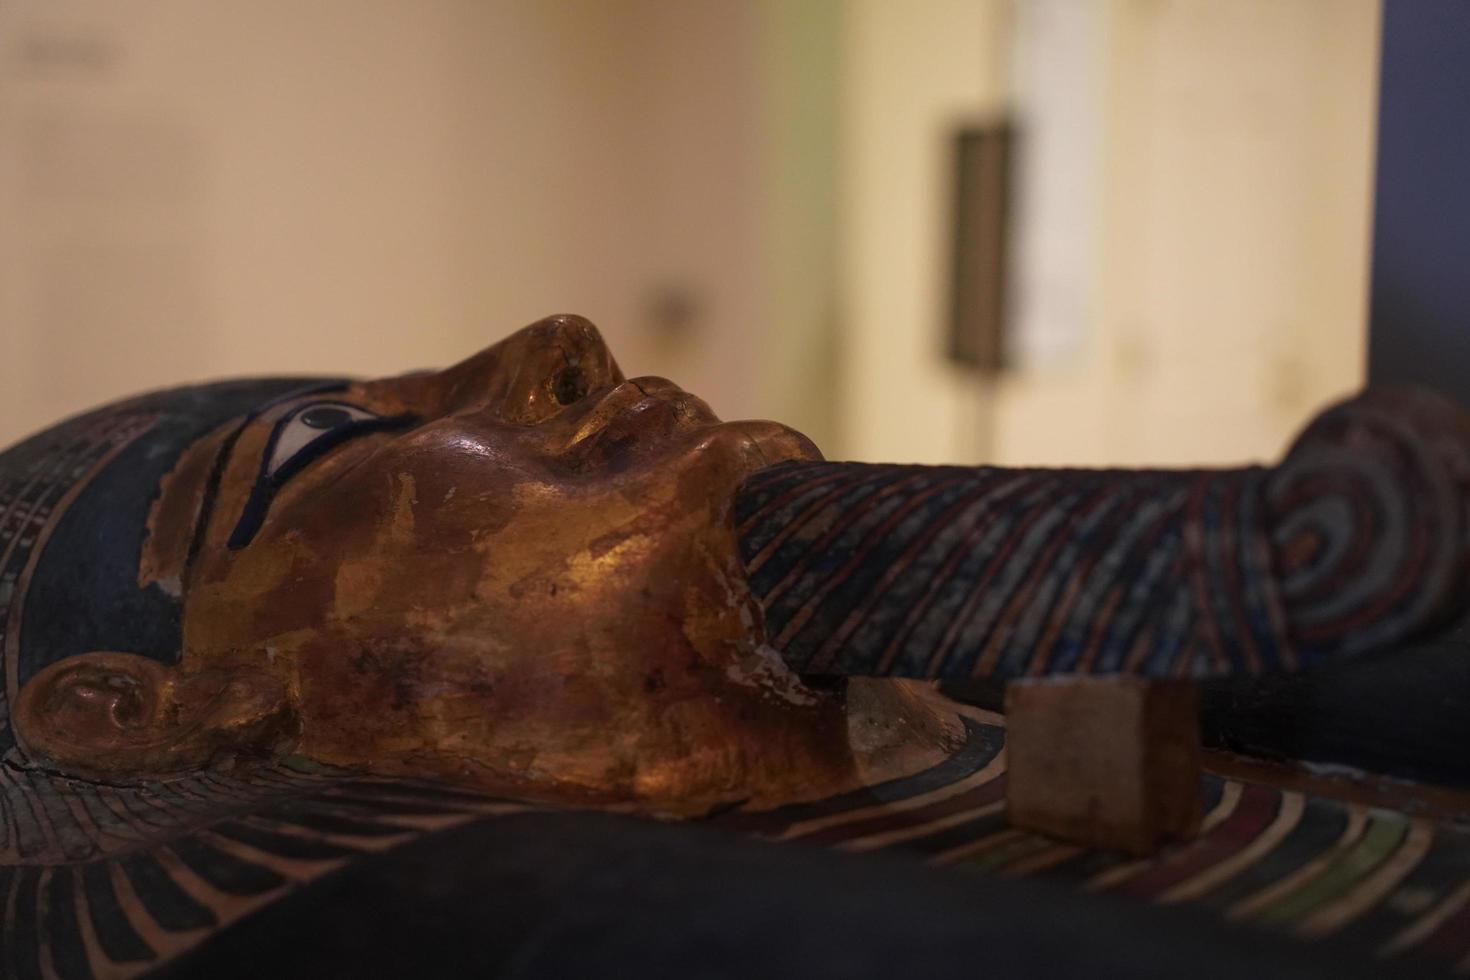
(1102, 623)
(1015, 606)
(799, 521)
(1411, 574)
(859, 614)
(1252, 815)
(1045, 647)
(998, 560)
(816, 549)
(1198, 570)
(964, 549)
(830, 582)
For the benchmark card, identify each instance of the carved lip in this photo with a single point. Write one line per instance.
(688, 409)
(646, 406)
(650, 413)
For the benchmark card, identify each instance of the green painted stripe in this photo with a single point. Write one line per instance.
(1386, 831)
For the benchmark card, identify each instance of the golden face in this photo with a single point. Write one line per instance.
(518, 573)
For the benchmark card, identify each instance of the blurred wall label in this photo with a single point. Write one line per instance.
(978, 296)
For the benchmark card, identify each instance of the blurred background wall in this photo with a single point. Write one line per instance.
(754, 197)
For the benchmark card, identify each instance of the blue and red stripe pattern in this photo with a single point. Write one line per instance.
(105, 881)
(109, 881)
(1369, 517)
(1357, 541)
(1384, 883)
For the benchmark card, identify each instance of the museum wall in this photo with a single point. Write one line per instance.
(1231, 271)
(1185, 294)
(192, 191)
(366, 186)
(754, 197)
(912, 76)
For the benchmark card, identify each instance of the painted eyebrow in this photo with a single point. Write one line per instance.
(268, 484)
(227, 450)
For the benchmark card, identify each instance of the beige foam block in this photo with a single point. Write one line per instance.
(1108, 762)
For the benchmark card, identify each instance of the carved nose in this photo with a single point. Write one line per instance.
(535, 372)
(576, 359)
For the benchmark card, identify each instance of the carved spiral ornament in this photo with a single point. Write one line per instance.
(1369, 522)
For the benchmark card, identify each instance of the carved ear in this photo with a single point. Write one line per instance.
(104, 715)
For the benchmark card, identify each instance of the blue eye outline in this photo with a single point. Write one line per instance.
(270, 479)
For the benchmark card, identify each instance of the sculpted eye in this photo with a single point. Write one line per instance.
(304, 435)
(326, 416)
(304, 432)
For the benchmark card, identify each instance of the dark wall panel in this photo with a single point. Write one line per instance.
(1421, 238)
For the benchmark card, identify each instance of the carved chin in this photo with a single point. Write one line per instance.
(772, 442)
(725, 453)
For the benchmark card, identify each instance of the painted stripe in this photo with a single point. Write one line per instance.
(1429, 923)
(112, 936)
(1252, 905)
(1257, 808)
(1320, 828)
(1452, 939)
(1088, 551)
(833, 579)
(986, 787)
(926, 829)
(849, 518)
(770, 548)
(1018, 851)
(1384, 834)
(924, 848)
(1053, 855)
(980, 524)
(902, 565)
(1003, 569)
(89, 946)
(1230, 797)
(785, 495)
(970, 848)
(1288, 815)
(1033, 594)
(1375, 886)
(980, 760)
